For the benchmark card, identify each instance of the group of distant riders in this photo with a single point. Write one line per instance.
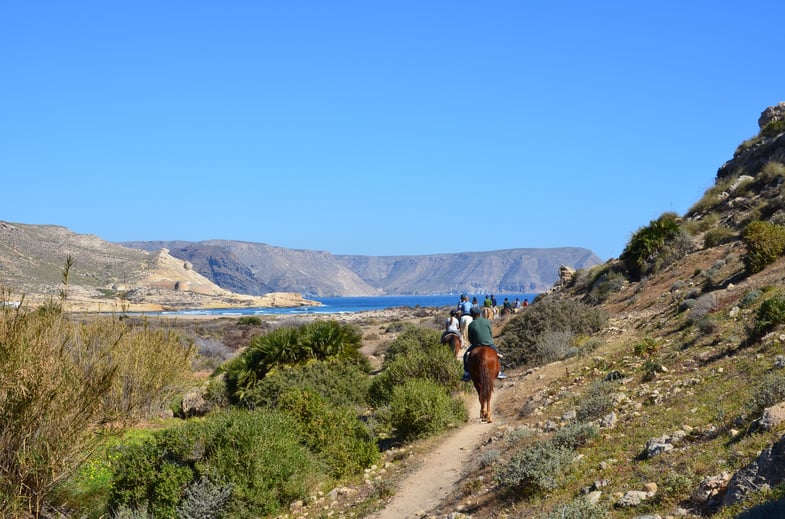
(472, 326)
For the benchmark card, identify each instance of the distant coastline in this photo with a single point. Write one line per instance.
(341, 305)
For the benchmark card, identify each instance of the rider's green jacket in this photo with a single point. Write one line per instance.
(480, 332)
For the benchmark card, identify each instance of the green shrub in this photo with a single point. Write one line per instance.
(421, 408)
(249, 320)
(288, 346)
(204, 499)
(773, 129)
(574, 435)
(765, 243)
(598, 400)
(769, 391)
(520, 336)
(340, 383)
(335, 434)
(717, 236)
(537, 468)
(578, 508)
(416, 360)
(258, 454)
(750, 298)
(604, 285)
(646, 347)
(770, 314)
(411, 339)
(647, 243)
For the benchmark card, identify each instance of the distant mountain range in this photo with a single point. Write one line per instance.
(258, 268)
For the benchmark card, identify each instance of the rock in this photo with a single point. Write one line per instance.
(711, 486)
(594, 497)
(609, 420)
(194, 403)
(650, 488)
(767, 469)
(632, 498)
(656, 446)
(772, 416)
(772, 113)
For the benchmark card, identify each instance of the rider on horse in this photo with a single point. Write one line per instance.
(480, 334)
(452, 326)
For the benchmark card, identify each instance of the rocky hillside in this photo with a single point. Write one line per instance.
(674, 408)
(257, 268)
(685, 384)
(108, 277)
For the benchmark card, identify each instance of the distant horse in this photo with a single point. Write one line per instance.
(487, 312)
(465, 321)
(484, 367)
(454, 340)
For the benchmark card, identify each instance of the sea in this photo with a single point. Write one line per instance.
(339, 305)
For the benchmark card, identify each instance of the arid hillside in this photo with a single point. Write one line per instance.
(675, 407)
(108, 277)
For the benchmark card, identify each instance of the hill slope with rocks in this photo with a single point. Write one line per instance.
(674, 408)
(257, 268)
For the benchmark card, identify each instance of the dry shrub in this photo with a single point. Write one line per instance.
(61, 382)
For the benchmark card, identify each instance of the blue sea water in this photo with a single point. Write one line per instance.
(334, 305)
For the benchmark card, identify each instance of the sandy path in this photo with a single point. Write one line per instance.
(440, 472)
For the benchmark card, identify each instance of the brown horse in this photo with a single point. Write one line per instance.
(484, 367)
(454, 340)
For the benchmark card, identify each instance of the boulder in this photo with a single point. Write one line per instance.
(768, 469)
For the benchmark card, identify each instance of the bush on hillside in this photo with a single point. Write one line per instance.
(258, 454)
(652, 248)
(340, 383)
(249, 320)
(334, 433)
(538, 468)
(597, 401)
(556, 345)
(769, 391)
(417, 355)
(717, 236)
(765, 243)
(411, 338)
(289, 346)
(608, 282)
(770, 314)
(578, 508)
(421, 407)
(520, 337)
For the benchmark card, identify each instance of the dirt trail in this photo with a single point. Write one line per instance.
(440, 472)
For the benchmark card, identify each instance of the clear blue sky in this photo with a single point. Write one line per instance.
(376, 128)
